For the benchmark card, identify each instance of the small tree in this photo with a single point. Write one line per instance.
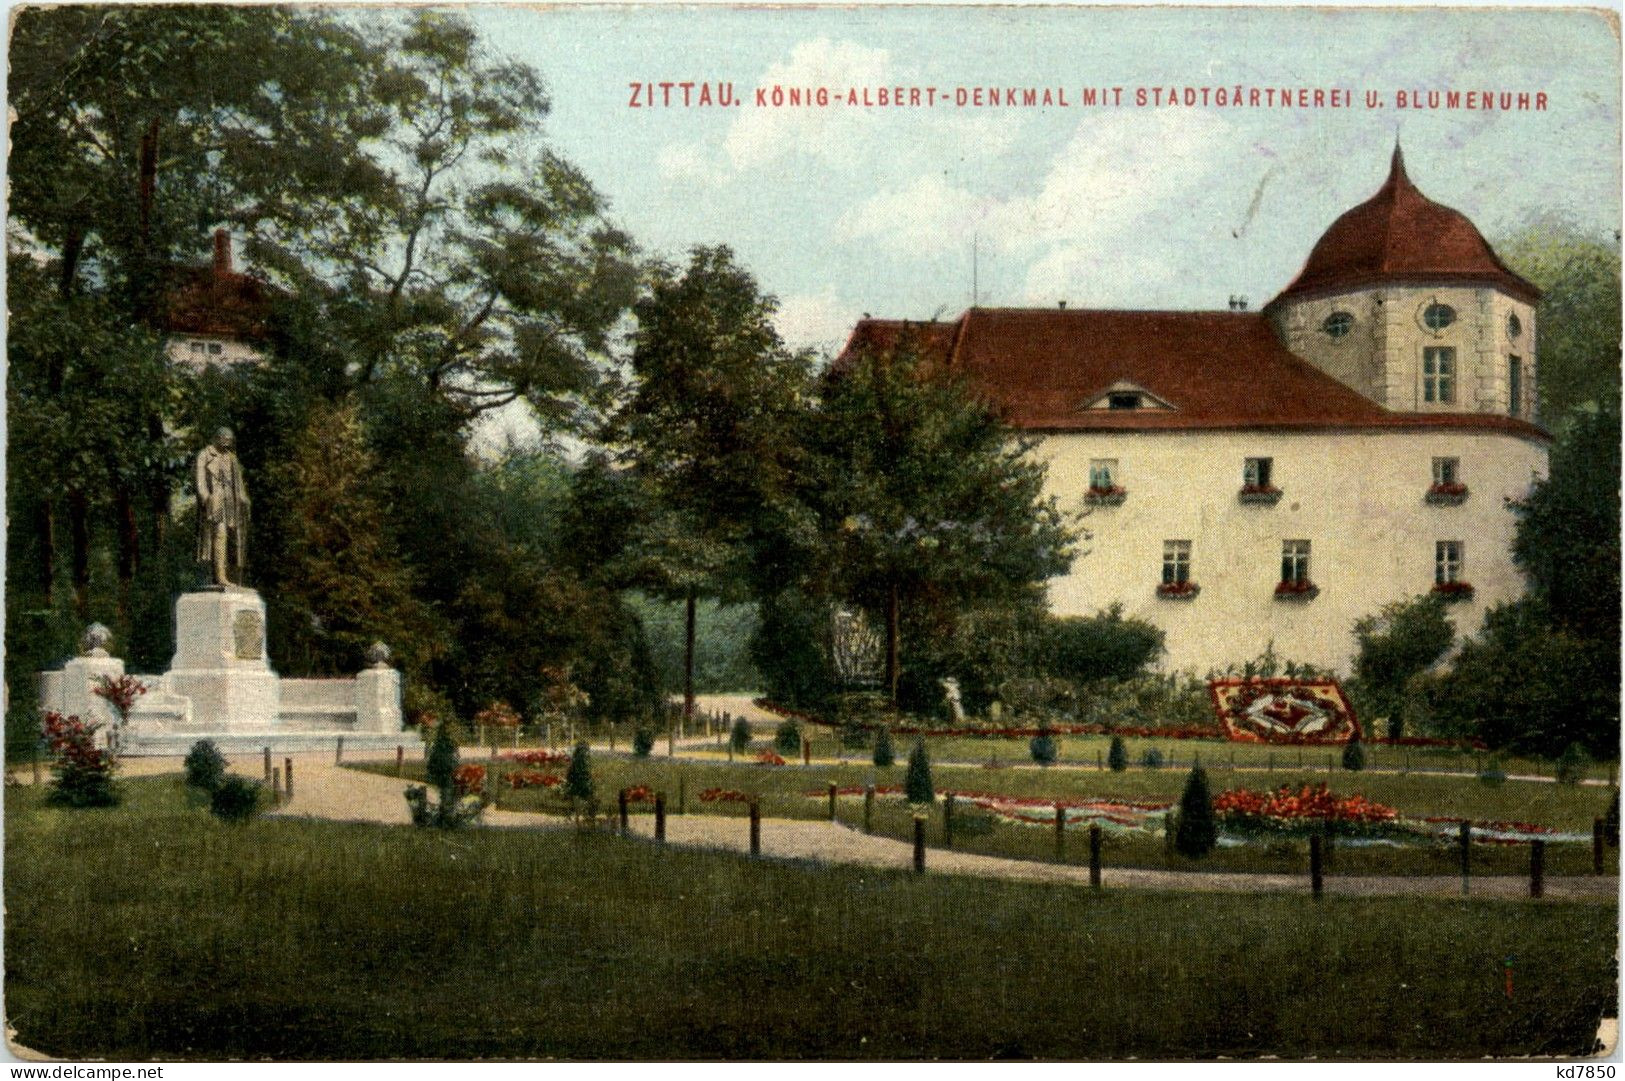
(1571, 764)
(83, 772)
(1151, 759)
(578, 780)
(917, 786)
(1117, 755)
(885, 757)
(787, 739)
(235, 799)
(643, 741)
(442, 758)
(1354, 754)
(205, 765)
(1196, 833)
(739, 738)
(1043, 747)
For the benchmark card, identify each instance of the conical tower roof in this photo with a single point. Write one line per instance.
(1401, 236)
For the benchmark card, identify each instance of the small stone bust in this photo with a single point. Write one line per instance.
(95, 641)
(378, 655)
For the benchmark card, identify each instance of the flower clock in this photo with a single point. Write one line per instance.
(1283, 710)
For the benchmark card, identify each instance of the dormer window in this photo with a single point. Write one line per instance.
(1122, 400)
(1337, 324)
(1437, 317)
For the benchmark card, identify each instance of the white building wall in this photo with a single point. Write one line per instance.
(1356, 496)
(199, 352)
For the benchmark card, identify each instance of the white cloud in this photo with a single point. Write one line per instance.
(761, 136)
(815, 321)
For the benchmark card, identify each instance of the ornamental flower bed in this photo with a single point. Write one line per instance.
(1284, 710)
(641, 793)
(724, 795)
(537, 758)
(469, 779)
(530, 778)
(769, 758)
(1307, 809)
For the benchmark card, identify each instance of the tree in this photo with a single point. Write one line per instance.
(710, 428)
(1043, 746)
(441, 762)
(205, 765)
(917, 786)
(884, 757)
(578, 782)
(739, 737)
(1405, 638)
(925, 500)
(1104, 646)
(1117, 755)
(1197, 832)
(1354, 754)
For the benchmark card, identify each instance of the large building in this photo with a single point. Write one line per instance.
(1257, 478)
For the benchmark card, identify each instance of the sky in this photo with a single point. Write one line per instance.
(843, 210)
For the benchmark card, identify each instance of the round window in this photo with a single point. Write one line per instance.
(1338, 324)
(1438, 316)
(1514, 326)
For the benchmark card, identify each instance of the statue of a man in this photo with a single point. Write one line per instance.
(222, 511)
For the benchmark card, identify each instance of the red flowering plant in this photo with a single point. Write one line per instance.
(1303, 810)
(1453, 591)
(497, 715)
(1297, 587)
(1180, 590)
(82, 772)
(120, 694)
(724, 795)
(541, 757)
(469, 779)
(529, 778)
(640, 793)
(770, 758)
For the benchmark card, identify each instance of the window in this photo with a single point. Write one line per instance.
(1438, 374)
(1515, 386)
(1124, 400)
(214, 349)
(197, 347)
(1438, 316)
(1446, 472)
(1337, 324)
(1176, 562)
(1514, 326)
(1295, 562)
(1255, 474)
(1447, 563)
(1102, 474)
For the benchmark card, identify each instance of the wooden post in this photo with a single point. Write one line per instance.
(287, 778)
(626, 821)
(400, 759)
(1596, 846)
(611, 737)
(338, 751)
(547, 735)
(1232, 761)
(806, 750)
(1060, 833)
(1271, 766)
(1464, 844)
(276, 785)
(948, 820)
(755, 827)
(1317, 884)
(1100, 761)
(682, 794)
(1300, 757)
(267, 765)
(660, 816)
(868, 808)
(493, 783)
(671, 741)
(1537, 868)
(1328, 763)
(919, 845)
(832, 791)
(1094, 856)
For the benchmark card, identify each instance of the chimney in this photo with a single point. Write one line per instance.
(222, 253)
(1063, 305)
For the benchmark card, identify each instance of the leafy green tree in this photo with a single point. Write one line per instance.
(643, 741)
(235, 799)
(917, 786)
(1197, 833)
(1105, 646)
(924, 498)
(1405, 638)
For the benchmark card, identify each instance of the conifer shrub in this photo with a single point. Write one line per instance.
(1354, 754)
(1571, 764)
(442, 758)
(578, 784)
(82, 774)
(1196, 832)
(1151, 759)
(643, 741)
(205, 766)
(885, 757)
(787, 738)
(917, 786)
(739, 738)
(1043, 747)
(1117, 755)
(235, 799)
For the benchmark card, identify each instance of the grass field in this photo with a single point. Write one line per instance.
(152, 931)
(784, 793)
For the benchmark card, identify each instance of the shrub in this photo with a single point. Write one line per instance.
(1571, 764)
(442, 758)
(1117, 756)
(451, 812)
(1102, 646)
(83, 772)
(885, 757)
(1196, 832)
(578, 780)
(787, 738)
(643, 741)
(1354, 755)
(1151, 759)
(1043, 747)
(917, 786)
(1403, 639)
(1492, 774)
(205, 766)
(739, 738)
(235, 799)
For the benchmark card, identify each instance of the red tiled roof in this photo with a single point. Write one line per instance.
(216, 300)
(1400, 235)
(1041, 367)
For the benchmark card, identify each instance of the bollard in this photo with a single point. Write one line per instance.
(682, 795)
(1464, 843)
(868, 808)
(1100, 762)
(755, 828)
(1094, 856)
(338, 751)
(400, 759)
(806, 750)
(611, 737)
(1300, 757)
(1271, 767)
(626, 822)
(919, 845)
(1060, 833)
(1328, 763)
(730, 749)
(660, 816)
(1317, 883)
(1596, 846)
(948, 820)
(267, 765)
(287, 777)
(276, 785)
(1537, 868)
(493, 784)
(1232, 761)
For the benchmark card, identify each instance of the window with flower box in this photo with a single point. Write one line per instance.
(1176, 581)
(1104, 489)
(1295, 583)
(1447, 489)
(1447, 570)
(1256, 485)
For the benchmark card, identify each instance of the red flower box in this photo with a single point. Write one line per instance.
(1178, 590)
(1453, 590)
(1447, 495)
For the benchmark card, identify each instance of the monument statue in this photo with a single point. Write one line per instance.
(222, 511)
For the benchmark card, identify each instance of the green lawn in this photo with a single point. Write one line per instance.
(152, 931)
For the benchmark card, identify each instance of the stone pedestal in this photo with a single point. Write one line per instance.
(220, 661)
(378, 700)
(78, 697)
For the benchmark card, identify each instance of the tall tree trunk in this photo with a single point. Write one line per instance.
(79, 536)
(688, 659)
(73, 244)
(145, 291)
(129, 547)
(46, 527)
(894, 606)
